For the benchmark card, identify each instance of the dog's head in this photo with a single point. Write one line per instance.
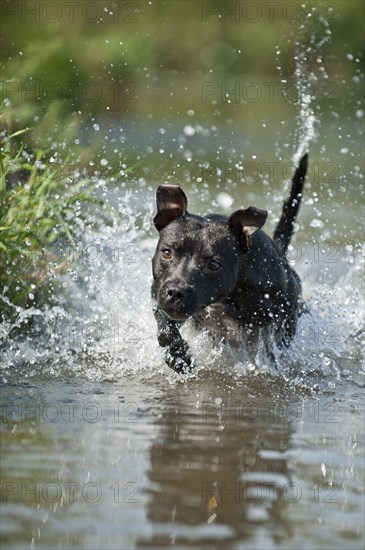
(197, 259)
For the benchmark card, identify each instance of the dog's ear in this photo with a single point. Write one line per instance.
(245, 223)
(171, 204)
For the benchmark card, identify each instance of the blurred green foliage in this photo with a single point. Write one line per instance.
(62, 60)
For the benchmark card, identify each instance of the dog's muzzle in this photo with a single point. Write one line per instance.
(177, 301)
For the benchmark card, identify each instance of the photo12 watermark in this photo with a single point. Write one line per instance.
(254, 492)
(250, 12)
(91, 253)
(51, 492)
(52, 412)
(251, 412)
(250, 91)
(70, 11)
(252, 171)
(113, 91)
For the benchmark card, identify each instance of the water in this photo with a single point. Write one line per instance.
(104, 447)
(214, 463)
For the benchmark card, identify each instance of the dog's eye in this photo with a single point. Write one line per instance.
(166, 253)
(214, 265)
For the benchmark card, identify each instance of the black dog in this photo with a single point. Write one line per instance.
(230, 277)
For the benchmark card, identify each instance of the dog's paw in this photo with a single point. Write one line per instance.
(183, 366)
(180, 365)
(178, 358)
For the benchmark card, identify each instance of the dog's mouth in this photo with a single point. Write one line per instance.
(175, 314)
(177, 309)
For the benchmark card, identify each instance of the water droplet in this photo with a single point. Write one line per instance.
(224, 200)
(189, 130)
(316, 223)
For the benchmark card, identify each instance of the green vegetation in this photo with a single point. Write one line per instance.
(62, 66)
(40, 213)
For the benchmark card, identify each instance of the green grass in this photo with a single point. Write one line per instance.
(42, 211)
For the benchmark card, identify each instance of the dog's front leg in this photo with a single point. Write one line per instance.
(177, 354)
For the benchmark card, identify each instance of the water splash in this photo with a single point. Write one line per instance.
(104, 328)
(307, 124)
(310, 77)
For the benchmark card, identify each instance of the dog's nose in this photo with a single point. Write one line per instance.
(179, 302)
(175, 293)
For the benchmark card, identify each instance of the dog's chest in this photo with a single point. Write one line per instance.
(220, 323)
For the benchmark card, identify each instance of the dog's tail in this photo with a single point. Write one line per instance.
(284, 230)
